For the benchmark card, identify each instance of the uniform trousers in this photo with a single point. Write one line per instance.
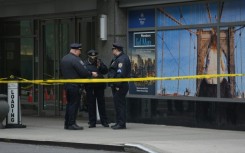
(96, 93)
(73, 94)
(119, 99)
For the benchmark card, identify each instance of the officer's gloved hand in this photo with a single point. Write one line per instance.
(99, 62)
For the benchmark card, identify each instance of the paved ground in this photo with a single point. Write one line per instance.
(172, 139)
(27, 148)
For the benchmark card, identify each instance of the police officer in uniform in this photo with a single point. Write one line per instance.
(95, 91)
(120, 68)
(72, 67)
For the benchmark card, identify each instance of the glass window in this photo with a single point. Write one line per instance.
(194, 50)
(176, 56)
(203, 13)
(237, 54)
(17, 28)
(26, 28)
(233, 11)
(11, 28)
(26, 57)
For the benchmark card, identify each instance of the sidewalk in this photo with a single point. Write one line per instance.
(159, 138)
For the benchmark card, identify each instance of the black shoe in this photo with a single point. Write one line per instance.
(66, 127)
(92, 126)
(114, 125)
(74, 127)
(105, 124)
(118, 127)
(78, 126)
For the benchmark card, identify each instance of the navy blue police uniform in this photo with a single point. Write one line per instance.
(72, 67)
(120, 67)
(95, 91)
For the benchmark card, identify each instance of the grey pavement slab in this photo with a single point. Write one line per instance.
(161, 138)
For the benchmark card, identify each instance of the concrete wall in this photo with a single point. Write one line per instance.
(117, 29)
(12, 8)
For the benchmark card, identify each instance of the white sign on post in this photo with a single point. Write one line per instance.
(97, 112)
(13, 103)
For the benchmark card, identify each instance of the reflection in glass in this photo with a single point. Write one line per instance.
(239, 47)
(202, 13)
(208, 55)
(176, 56)
(26, 27)
(232, 11)
(195, 52)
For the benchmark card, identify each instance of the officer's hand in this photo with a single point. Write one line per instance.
(95, 74)
(98, 62)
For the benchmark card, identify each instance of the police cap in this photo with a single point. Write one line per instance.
(92, 53)
(117, 46)
(76, 46)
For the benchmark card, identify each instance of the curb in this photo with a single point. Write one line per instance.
(119, 148)
(130, 148)
(138, 148)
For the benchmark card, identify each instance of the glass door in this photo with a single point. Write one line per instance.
(56, 37)
(86, 34)
(17, 51)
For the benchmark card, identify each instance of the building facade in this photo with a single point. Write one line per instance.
(163, 39)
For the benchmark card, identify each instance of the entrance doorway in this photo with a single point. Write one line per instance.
(32, 49)
(56, 37)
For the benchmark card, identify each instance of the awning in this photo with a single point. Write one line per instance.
(10, 8)
(133, 3)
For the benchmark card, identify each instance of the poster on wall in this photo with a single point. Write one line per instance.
(141, 18)
(142, 48)
(180, 53)
(196, 51)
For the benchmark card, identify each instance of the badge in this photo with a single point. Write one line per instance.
(119, 71)
(120, 65)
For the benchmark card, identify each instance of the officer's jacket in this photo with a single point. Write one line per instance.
(120, 67)
(101, 70)
(92, 67)
(72, 67)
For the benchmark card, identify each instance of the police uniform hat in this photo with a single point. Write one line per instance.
(117, 46)
(76, 46)
(92, 53)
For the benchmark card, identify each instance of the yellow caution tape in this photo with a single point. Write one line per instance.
(106, 80)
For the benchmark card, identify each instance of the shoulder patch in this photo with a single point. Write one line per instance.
(120, 65)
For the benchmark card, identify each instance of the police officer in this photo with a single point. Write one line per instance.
(120, 68)
(95, 91)
(72, 67)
